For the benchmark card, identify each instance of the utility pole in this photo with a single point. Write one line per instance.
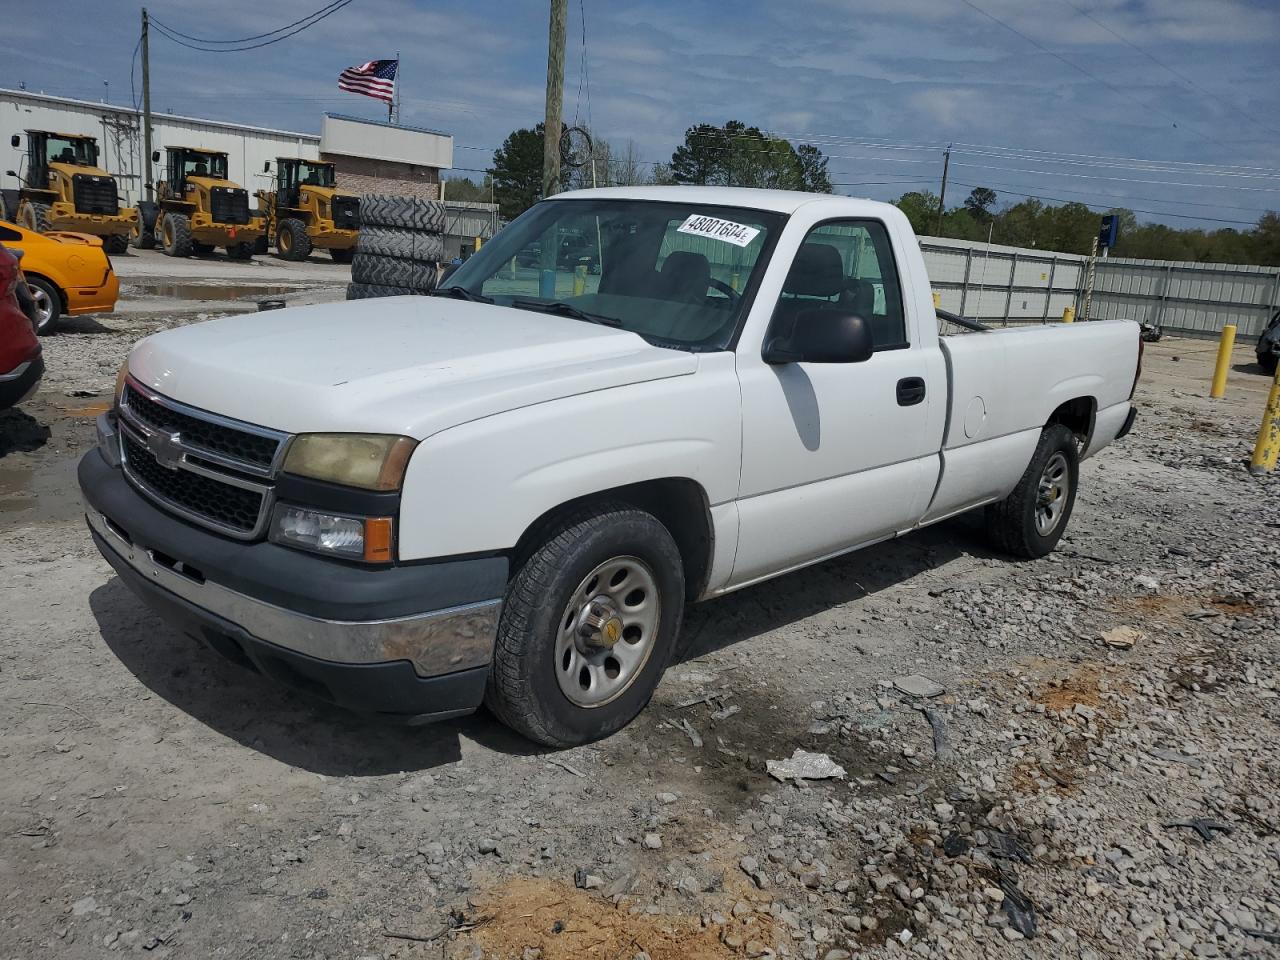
(555, 100)
(942, 194)
(146, 105)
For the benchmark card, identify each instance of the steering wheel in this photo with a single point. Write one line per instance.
(733, 295)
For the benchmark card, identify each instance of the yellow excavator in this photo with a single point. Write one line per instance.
(197, 208)
(65, 189)
(306, 211)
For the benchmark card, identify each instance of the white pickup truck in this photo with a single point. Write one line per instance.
(505, 494)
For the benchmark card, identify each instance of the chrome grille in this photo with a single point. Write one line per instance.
(211, 470)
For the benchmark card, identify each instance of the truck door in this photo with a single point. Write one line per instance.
(835, 455)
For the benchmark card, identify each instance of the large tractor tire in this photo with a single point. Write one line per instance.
(175, 235)
(116, 244)
(240, 251)
(405, 213)
(344, 255)
(292, 242)
(34, 216)
(370, 291)
(202, 249)
(142, 237)
(406, 244)
(393, 272)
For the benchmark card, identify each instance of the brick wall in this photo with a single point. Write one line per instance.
(360, 175)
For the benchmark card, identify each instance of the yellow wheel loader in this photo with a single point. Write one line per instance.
(65, 189)
(305, 211)
(197, 208)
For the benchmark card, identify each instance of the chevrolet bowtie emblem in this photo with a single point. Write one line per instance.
(166, 448)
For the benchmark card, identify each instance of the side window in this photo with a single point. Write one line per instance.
(848, 264)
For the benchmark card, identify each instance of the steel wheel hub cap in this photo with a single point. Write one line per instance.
(44, 308)
(607, 631)
(1051, 499)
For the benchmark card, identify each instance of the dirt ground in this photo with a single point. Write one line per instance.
(158, 799)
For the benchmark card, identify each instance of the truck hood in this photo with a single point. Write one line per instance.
(404, 365)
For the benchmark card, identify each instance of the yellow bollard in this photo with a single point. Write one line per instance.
(479, 243)
(1225, 343)
(579, 279)
(1267, 450)
(1068, 315)
(735, 282)
(937, 300)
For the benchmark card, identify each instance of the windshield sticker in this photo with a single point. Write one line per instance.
(739, 234)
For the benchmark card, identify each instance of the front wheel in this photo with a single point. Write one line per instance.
(588, 626)
(115, 244)
(1031, 520)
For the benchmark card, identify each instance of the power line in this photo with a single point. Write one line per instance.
(309, 21)
(1093, 176)
(1164, 66)
(1075, 66)
(1153, 213)
(259, 36)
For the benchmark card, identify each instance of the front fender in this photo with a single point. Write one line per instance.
(476, 487)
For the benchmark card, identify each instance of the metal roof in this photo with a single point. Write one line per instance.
(384, 123)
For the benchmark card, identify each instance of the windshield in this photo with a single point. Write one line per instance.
(83, 153)
(677, 274)
(205, 165)
(315, 174)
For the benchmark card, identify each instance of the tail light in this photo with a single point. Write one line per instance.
(1138, 372)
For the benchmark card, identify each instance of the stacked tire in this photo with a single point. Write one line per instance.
(400, 247)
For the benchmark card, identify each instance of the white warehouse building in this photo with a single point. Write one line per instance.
(369, 156)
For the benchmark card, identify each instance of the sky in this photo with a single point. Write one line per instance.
(1169, 107)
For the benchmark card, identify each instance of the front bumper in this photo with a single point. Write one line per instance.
(21, 382)
(414, 639)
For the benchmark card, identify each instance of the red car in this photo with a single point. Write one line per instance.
(21, 365)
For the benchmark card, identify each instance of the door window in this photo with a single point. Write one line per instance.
(847, 265)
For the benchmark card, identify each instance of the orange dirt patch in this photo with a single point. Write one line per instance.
(527, 912)
(1082, 686)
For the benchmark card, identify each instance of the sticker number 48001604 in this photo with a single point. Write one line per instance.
(739, 234)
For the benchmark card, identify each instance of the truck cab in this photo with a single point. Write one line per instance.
(507, 492)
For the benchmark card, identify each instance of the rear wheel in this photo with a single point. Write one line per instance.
(1268, 362)
(140, 238)
(175, 235)
(342, 256)
(201, 249)
(588, 626)
(1031, 520)
(34, 216)
(48, 304)
(115, 244)
(292, 242)
(240, 251)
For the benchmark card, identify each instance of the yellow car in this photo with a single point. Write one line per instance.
(68, 273)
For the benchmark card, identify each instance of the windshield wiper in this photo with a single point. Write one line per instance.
(461, 293)
(560, 308)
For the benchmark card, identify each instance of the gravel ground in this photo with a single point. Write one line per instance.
(1017, 740)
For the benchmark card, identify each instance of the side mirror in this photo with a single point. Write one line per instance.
(822, 336)
(266, 167)
(155, 156)
(15, 140)
(11, 173)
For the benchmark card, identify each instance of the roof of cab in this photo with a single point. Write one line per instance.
(780, 201)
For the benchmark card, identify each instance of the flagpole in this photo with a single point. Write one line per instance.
(394, 106)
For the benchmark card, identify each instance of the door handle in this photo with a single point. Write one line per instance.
(910, 391)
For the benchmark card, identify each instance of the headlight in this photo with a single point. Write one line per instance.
(372, 461)
(353, 538)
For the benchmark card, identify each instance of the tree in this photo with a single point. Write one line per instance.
(921, 208)
(813, 169)
(979, 203)
(517, 171)
(741, 156)
(466, 189)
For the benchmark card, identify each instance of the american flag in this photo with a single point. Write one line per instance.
(376, 79)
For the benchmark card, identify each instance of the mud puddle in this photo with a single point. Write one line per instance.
(208, 291)
(40, 492)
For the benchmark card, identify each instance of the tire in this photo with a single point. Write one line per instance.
(261, 245)
(1029, 523)
(292, 242)
(175, 235)
(116, 244)
(393, 272)
(538, 662)
(141, 238)
(1268, 362)
(34, 216)
(48, 305)
(395, 242)
(202, 249)
(240, 251)
(345, 255)
(371, 291)
(405, 213)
